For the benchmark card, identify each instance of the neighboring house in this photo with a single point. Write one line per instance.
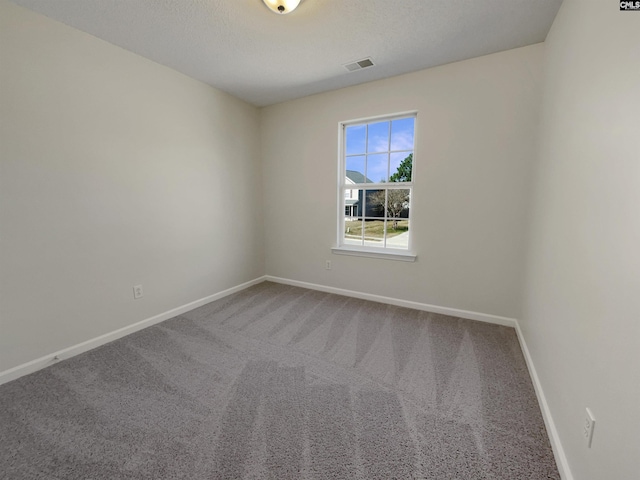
(353, 198)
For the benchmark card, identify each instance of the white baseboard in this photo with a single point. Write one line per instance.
(454, 312)
(554, 438)
(42, 362)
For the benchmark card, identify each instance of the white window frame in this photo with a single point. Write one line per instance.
(341, 248)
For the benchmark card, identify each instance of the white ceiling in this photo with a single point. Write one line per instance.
(241, 47)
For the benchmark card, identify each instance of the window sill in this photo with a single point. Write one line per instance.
(398, 255)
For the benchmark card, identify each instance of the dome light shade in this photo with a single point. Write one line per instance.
(282, 6)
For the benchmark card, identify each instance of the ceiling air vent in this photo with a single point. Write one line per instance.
(359, 65)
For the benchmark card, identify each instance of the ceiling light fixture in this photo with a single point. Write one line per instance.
(282, 6)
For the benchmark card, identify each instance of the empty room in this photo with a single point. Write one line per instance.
(319, 239)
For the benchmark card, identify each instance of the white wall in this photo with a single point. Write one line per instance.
(115, 171)
(582, 305)
(475, 142)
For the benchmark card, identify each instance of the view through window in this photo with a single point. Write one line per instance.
(376, 184)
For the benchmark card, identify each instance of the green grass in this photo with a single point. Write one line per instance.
(374, 229)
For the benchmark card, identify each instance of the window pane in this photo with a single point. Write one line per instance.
(398, 233)
(377, 167)
(375, 201)
(355, 169)
(374, 233)
(353, 203)
(355, 139)
(402, 134)
(378, 140)
(398, 203)
(401, 166)
(352, 232)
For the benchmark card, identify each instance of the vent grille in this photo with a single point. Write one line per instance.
(359, 64)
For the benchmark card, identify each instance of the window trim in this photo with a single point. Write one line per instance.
(340, 247)
(384, 253)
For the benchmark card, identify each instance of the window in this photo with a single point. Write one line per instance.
(375, 182)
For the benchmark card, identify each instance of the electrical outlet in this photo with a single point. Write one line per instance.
(137, 291)
(587, 427)
(327, 265)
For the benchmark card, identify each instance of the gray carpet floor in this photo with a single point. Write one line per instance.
(281, 382)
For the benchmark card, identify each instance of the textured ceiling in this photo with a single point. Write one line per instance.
(241, 47)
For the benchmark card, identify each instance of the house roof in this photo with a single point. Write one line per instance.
(357, 177)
